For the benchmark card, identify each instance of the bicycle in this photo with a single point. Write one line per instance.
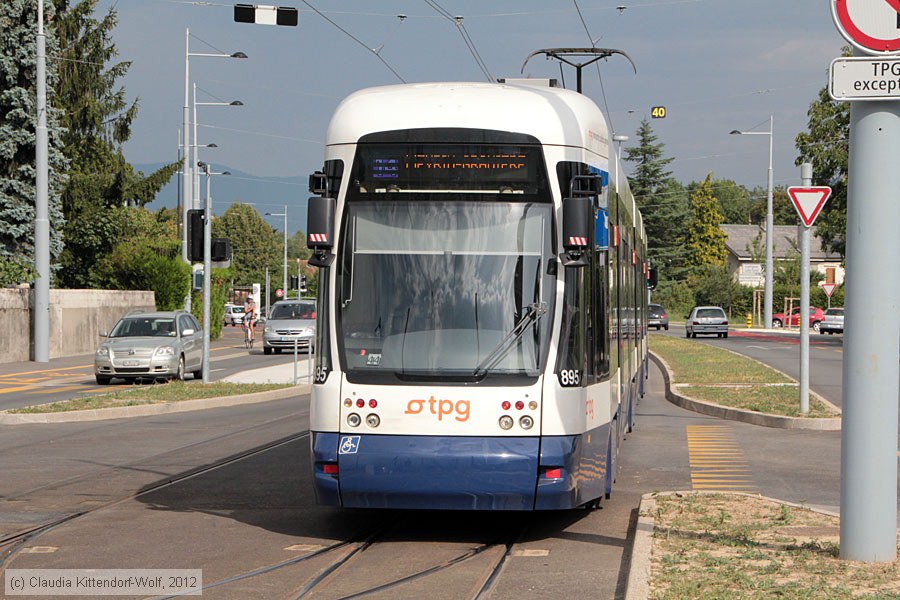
(248, 335)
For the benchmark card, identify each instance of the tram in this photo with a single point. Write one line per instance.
(481, 336)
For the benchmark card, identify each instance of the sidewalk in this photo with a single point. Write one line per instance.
(276, 374)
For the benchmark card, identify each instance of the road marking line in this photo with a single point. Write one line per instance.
(53, 390)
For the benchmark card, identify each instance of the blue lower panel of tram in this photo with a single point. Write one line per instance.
(455, 473)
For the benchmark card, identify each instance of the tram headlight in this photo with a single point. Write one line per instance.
(506, 422)
(526, 422)
(353, 420)
(373, 421)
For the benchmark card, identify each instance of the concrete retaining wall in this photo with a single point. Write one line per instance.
(76, 319)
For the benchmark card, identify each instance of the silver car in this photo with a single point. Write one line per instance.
(706, 320)
(234, 315)
(151, 345)
(291, 321)
(833, 321)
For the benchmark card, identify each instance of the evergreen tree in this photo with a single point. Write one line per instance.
(706, 240)
(649, 173)
(18, 121)
(826, 145)
(98, 122)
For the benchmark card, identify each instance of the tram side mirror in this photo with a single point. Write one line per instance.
(586, 185)
(320, 223)
(652, 278)
(318, 183)
(576, 225)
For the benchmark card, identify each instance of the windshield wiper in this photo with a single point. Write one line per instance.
(533, 313)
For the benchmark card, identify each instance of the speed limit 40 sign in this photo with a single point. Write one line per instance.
(873, 26)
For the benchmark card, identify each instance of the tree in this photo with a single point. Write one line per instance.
(255, 244)
(297, 247)
(826, 145)
(649, 173)
(735, 200)
(705, 239)
(18, 121)
(98, 122)
(147, 257)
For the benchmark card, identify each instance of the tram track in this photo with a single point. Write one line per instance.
(11, 544)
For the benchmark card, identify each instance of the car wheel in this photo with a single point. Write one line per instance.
(694, 335)
(180, 374)
(267, 351)
(687, 333)
(103, 379)
(776, 323)
(817, 326)
(725, 335)
(666, 328)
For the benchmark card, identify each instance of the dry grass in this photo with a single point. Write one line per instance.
(176, 391)
(735, 546)
(711, 374)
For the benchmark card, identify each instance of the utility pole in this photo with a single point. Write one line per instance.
(41, 205)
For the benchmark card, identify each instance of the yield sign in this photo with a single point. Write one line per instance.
(809, 201)
(828, 288)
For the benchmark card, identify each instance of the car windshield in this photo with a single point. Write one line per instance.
(835, 311)
(710, 313)
(656, 309)
(304, 310)
(144, 327)
(237, 309)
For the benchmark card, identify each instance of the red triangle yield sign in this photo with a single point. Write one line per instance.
(809, 201)
(828, 288)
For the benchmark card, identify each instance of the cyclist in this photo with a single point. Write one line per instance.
(251, 315)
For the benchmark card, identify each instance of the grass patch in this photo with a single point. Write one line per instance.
(711, 374)
(733, 546)
(160, 393)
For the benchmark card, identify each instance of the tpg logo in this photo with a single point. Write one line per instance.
(460, 408)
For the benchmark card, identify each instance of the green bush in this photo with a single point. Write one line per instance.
(221, 282)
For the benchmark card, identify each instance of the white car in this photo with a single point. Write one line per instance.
(234, 314)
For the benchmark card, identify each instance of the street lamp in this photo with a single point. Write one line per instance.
(770, 226)
(195, 200)
(207, 266)
(187, 165)
(284, 214)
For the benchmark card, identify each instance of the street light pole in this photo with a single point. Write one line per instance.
(207, 266)
(41, 204)
(285, 280)
(770, 225)
(187, 166)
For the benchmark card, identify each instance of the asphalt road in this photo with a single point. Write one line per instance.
(228, 491)
(29, 383)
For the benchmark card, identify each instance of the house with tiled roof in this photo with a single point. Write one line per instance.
(746, 245)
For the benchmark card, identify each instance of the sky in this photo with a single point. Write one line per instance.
(716, 65)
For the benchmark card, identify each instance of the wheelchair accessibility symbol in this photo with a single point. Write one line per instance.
(349, 444)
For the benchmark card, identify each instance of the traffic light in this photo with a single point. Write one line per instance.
(302, 285)
(195, 235)
(295, 282)
(220, 249)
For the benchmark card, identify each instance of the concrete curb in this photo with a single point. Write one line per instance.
(144, 410)
(746, 416)
(638, 585)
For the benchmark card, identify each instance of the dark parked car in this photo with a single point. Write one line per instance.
(151, 345)
(657, 317)
(706, 320)
(833, 321)
(816, 316)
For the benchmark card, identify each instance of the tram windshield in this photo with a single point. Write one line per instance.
(437, 287)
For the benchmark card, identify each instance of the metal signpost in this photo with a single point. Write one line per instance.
(808, 201)
(872, 299)
(829, 288)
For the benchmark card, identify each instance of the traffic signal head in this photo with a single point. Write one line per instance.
(195, 235)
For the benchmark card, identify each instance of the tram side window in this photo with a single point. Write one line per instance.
(573, 347)
(600, 314)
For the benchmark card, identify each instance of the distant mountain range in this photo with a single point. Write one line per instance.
(266, 194)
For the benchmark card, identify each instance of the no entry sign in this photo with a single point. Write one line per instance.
(870, 25)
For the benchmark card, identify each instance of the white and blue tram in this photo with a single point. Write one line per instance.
(481, 339)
